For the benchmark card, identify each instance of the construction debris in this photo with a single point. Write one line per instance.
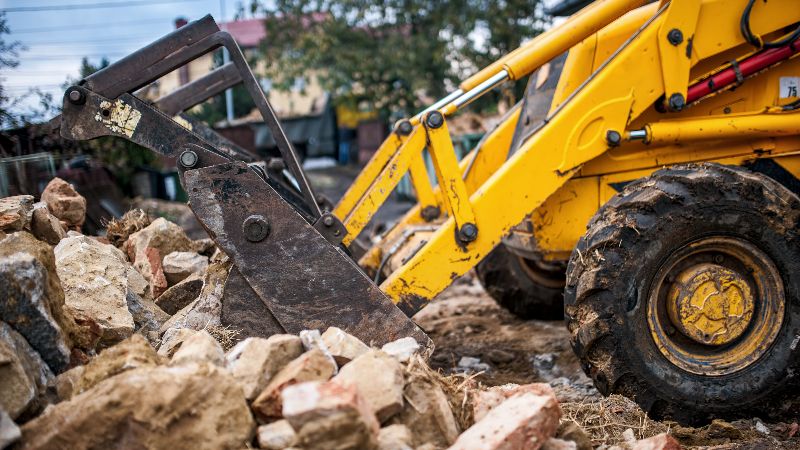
(65, 203)
(328, 390)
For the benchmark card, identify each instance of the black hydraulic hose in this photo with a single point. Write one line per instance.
(757, 42)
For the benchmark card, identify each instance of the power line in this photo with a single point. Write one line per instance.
(80, 26)
(92, 5)
(93, 41)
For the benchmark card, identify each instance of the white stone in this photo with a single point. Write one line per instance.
(94, 277)
(198, 348)
(254, 361)
(379, 378)
(343, 346)
(402, 349)
(179, 265)
(276, 435)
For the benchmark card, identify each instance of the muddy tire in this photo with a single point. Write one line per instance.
(527, 289)
(629, 273)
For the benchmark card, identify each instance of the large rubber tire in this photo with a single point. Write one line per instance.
(517, 288)
(610, 273)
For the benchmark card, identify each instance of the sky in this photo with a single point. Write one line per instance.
(58, 33)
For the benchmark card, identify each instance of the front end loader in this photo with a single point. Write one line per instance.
(650, 174)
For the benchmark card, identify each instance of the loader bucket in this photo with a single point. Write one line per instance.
(289, 270)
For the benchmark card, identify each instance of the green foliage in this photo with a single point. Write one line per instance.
(386, 55)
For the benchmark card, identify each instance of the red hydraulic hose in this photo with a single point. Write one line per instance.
(740, 70)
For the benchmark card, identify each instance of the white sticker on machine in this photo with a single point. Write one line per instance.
(790, 87)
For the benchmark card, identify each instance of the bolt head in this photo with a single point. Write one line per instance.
(675, 36)
(76, 97)
(188, 159)
(468, 232)
(327, 221)
(255, 228)
(435, 119)
(404, 128)
(676, 102)
(613, 138)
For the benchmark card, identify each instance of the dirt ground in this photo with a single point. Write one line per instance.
(475, 337)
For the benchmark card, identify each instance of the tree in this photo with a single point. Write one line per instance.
(9, 54)
(386, 55)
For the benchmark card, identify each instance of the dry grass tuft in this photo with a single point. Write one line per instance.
(225, 335)
(118, 230)
(605, 420)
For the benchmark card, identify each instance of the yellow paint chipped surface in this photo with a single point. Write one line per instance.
(119, 117)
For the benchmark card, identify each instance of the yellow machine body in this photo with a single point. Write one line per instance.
(540, 199)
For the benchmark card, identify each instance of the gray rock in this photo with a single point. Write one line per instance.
(147, 317)
(181, 295)
(24, 375)
(31, 300)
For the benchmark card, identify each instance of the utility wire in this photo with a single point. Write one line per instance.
(80, 26)
(92, 5)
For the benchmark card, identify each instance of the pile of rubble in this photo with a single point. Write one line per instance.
(116, 342)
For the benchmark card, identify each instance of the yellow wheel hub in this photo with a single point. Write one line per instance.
(710, 304)
(715, 306)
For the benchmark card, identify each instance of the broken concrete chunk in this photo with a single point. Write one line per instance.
(9, 431)
(428, 412)
(64, 202)
(662, 441)
(45, 226)
(67, 382)
(152, 270)
(484, 400)
(200, 347)
(206, 309)
(182, 294)
(379, 378)
(195, 406)
(179, 265)
(310, 366)
(172, 340)
(276, 435)
(402, 349)
(343, 346)
(129, 354)
(327, 415)
(524, 421)
(147, 317)
(95, 281)
(394, 437)
(162, 235)
(24, 376)
(254, 361)
(15, 212)
(32, 301)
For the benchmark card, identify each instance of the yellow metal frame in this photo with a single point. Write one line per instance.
(617, 96)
